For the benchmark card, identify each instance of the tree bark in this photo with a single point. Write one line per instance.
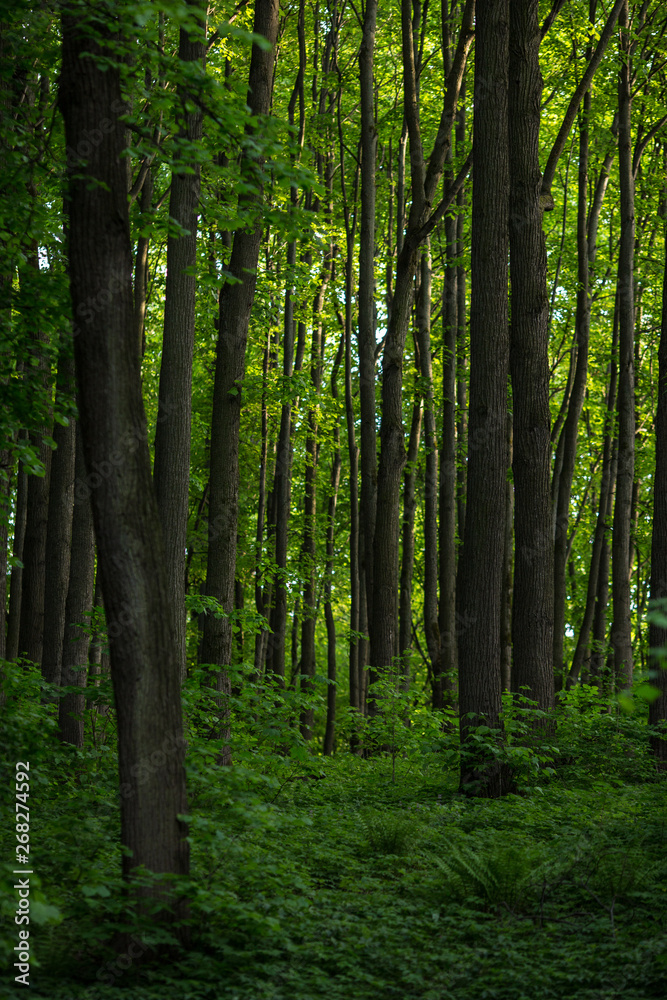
(59, 530)
(567, 444)
(171, 471)
(366, 303)
(479, 583)
(532, 605)
(76, 633)
(235, 306)
(657, 712)
(620, 563)
(144, 664)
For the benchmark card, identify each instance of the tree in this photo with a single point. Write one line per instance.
(144, 659)
(479, 580)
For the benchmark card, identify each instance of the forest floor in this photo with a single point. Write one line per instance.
(335, 878)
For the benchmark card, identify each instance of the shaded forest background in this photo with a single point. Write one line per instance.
(333, 354)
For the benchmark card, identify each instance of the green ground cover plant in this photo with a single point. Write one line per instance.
(358, 877)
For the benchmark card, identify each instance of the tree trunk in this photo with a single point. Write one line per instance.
(31, 627)
(235, 306)
(366, 306)
(532, 605)
(59, 530)
(479, 583)
(334, 483)
(620, 563)
(76, 633)
(144, 662)
(567, 444)
(602, 524)
(445, 669)
(408, 535)
(658, 635)
(171, 472)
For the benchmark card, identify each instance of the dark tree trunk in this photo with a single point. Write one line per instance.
(59, 531)
(281, 493)
(235, 306)
(567, 444)
(621, 633)
(171, 472)
(144, 663)
(602, 524)
(532, 605)
(479, 583)
(408, 536)
(366, 307)
(657, 635)
(31, 627)
(445, 668)
(334, 483)
(76, 633)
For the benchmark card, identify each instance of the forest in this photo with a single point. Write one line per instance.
(333, 499)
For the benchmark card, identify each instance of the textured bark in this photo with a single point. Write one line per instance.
(602, 523)
(76, 633)
(408, 547)
(532, 605)
(479, 582)
(280, 495)
(445, 668)
(621, 633)
(366, 304)
(171, 471)
(309, 548)
(144, 664)
(235, 306)
(567, 444)
(31, 627)
(59, 530)
(334, 483)
(658, 636)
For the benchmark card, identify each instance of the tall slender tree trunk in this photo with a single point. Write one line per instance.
(334, 483)
(171, 471)
(479, 583)
(445, 672)
(235, 306)
(657, 635)
(621, 635)
(59, 529)
(144, 663)
(366, 315)
(567, 444)
(602, 523)
(76, 633)
(532, 605)
(31, 627)
(408, 536)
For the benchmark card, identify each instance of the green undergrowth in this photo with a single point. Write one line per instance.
(360, 878)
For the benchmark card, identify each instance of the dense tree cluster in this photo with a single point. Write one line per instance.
(333, 359)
